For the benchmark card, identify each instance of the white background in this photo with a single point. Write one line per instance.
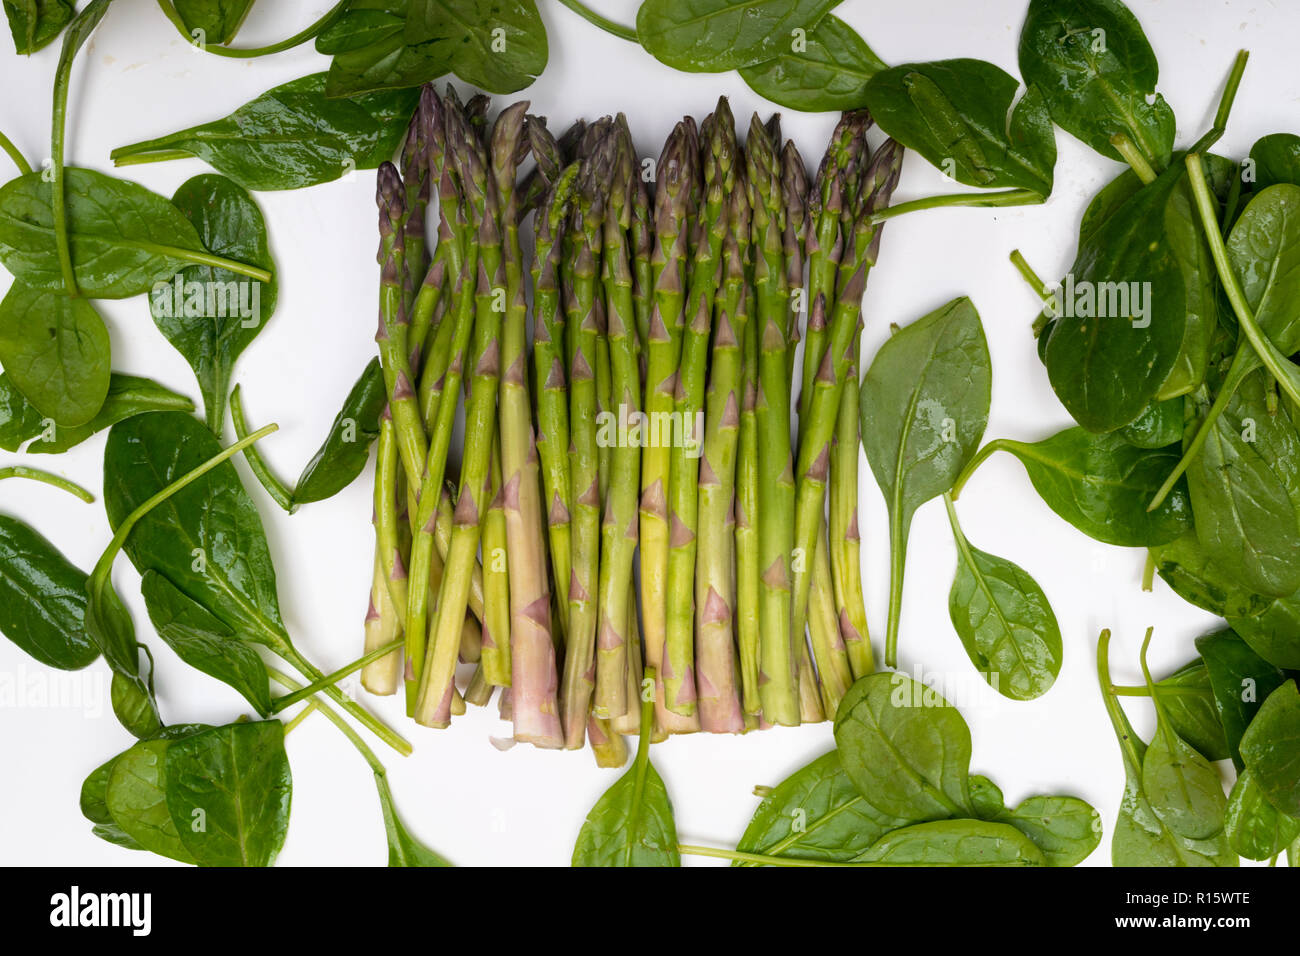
(138, 79)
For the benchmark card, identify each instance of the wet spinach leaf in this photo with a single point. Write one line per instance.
(1277, 160)
(1159, 426)
(1004, 621)
(1256, 829)
(1101, 484)
(137, 799)
(55, 351)
(1270, 748)
(228, 791)
(403, 849)
(1241, 681)
(906, 746)
(924, 406)
(209, 314)
(958, 114)
(128, 395)
(346, 449)
(1188, 700)
(713, 36)
(219, 20)
(1065, 829)
(35, 23)
(827, 72)
(1098, 74)
(291, 136)
(42, 599)
(955, 843)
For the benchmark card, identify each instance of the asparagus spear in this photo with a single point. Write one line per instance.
(530, 595)
(619, 526)
(498, 571)
(748, 568)
(381, 677)
(642, 236)
(581, 304)
(422, 155)
(778, 689)
(551, 379)
(879, 181)
(676, 170)
(715, 591)
(718, 179)
(436, 688)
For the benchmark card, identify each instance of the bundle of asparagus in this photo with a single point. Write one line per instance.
(652, 419)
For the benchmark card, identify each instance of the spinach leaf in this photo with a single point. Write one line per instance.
(1256, 829)
(924, 406)
(128, 395)
(206, 539)
(228, 791)
(347, 447)
(955, 843)
(19, 421)
(108, 624)
(958, 114)
(124, 238)
(134, 706)
(1264, 252)
(713, 36)
(1277, 160)
(1141, 837)
(1159, 426)
(94, 807)
(370, 50)
(1273, 633)
(986, 798)
(1189, 705)
(828, 71)
(1098, 74)
(55, 350)
(219, 20)
(209, 314)
(42, 599)
(205, 643)
(137, 799)
(816, 814)
(1241, 681)
(905, 747)
(500, 49)
(1101, 484)
(1247, 506)
(1004, 621)
(34, 23)
(403, 849)
(632, 822)
(1270, 748)
(1122, 313)
(291, 136)
(1182, 787)
(1065, 829)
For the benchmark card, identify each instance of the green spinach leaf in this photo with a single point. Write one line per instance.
(1270, 748)
(42, 599)
(403, 849)
(1065, 829)
(828, 71)
(35, 23)
(1277, 160)
(958, 114)
(1188, 700)
(209, 314)
(1098, 73)
(291, 136)
(1256, 829)
(713, 36)
(924, 406)
(137, 799)
(55, 351)
(906, 747)
(955, 843)
(1159, 426)
(1004, 621)
(500, 49)
(1241, 681)
(128, 395)
(228, 791)
(219, 20)
(347, 447)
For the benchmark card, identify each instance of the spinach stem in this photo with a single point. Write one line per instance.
(363, 716)
(1149, 572)
(33, 474)
(334, 718)
(1225, 104)
(1129, 742)
(208, 259)
(1008, 197)
(300, 716)
(299, 38)
(998, 444)
(15, 154)
(609, 26)
(897, 562)
(1141, 690)
(329, 680)
(1279, 366)
(721, 854)
(1133, 156)
(155, 157)
(1041, 289)
(277, 489)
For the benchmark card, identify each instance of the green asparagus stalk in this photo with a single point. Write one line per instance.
(619, 525)
(551, 378)
(748, 568)
(497, 572)
(715, 590)
(381, 677)
(845, 560)
(676, 170)
(819, 426)
(642, 237)
(811, 710)
(582, 305)
(834, 668)
(532, 646)
(778, 688)
(417, 180)
(794, 196)
(387, 535)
